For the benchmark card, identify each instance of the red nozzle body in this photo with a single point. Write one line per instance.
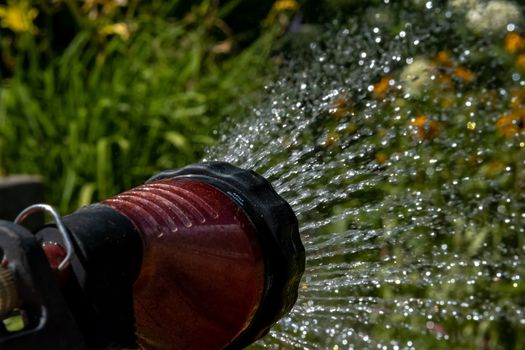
(202, 275)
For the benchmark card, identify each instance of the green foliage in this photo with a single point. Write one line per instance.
(114, 107)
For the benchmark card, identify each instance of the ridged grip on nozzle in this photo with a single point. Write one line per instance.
(277, 231)
(8, 292)
(202, 273)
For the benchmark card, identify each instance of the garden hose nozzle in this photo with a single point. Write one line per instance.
(205, 257)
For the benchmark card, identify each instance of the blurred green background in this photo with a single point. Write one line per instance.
(98, 95)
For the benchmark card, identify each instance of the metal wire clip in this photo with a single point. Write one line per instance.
(68, 245)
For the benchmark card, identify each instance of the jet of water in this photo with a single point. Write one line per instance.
(398, 138)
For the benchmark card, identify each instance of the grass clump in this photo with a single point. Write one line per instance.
(120, 90)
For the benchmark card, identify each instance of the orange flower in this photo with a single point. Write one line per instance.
(517, 99)
(381, 87)
(514, 43)
(331, 139)
(520, 62)
(511, 124)
(464, 74)
(381, 157)
(341, 107)
(445, 82)
(443, 58)
(427, 129)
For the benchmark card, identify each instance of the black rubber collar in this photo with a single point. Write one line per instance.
(277, 229)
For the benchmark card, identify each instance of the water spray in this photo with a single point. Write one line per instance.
(205, 257)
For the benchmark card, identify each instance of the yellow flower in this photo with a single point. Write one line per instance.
(284, 5)
(281, 11)
(120, 29)
(18, 17)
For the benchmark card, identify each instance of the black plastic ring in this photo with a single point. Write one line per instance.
(277, 229)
